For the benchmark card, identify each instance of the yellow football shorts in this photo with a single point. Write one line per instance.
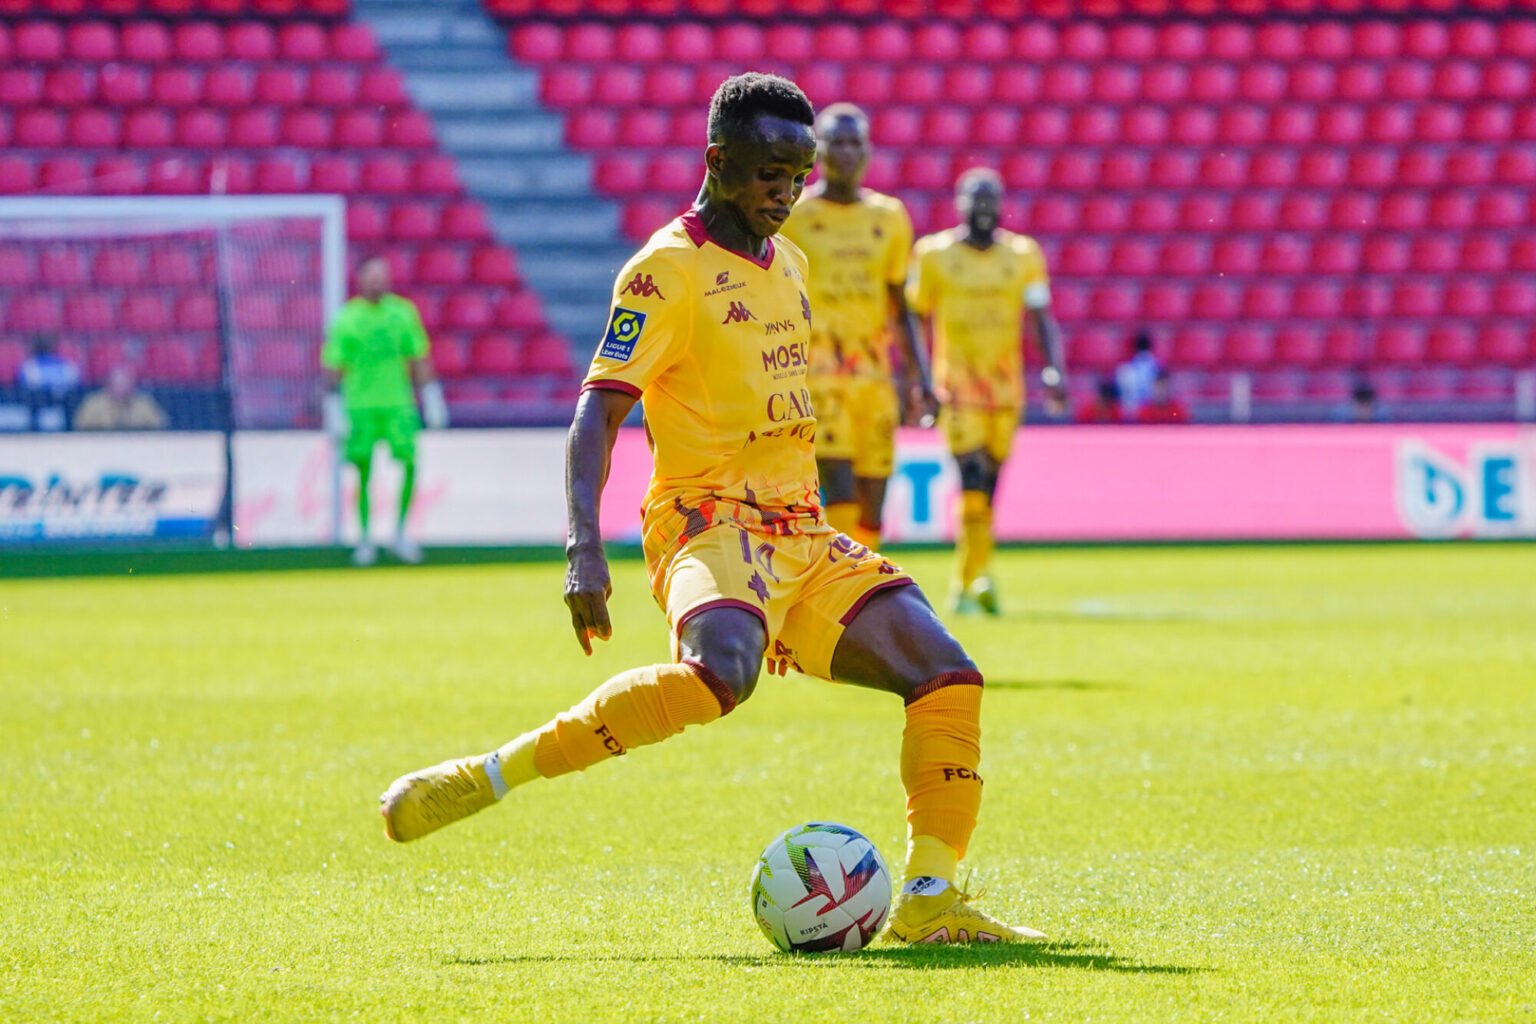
(856, 419)
(968, 430)
(806, 588)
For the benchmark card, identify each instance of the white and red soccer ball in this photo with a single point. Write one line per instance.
(821, 888)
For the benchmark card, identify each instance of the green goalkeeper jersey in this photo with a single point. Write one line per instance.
(371, 345)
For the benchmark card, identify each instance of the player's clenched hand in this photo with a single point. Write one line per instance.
(587, 587)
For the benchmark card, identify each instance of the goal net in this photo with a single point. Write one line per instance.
(217, 305)
(212, 308)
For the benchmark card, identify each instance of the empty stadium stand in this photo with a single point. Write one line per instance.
(161, 98)
(1292, 198)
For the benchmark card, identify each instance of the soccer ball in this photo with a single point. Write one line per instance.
(821, 888)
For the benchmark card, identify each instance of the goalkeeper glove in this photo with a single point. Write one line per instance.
(434, 407)
(333, 414)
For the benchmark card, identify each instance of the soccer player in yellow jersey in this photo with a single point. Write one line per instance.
(972, 286)
(709, 328)
(858, 242)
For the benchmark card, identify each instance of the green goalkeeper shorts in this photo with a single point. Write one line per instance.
(396, 427)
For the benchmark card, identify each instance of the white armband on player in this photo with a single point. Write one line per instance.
(434, 407)
(1037, 296)
(333, 415)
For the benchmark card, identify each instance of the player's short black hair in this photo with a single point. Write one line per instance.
(741, 98)
(975, 176)
(367, 258)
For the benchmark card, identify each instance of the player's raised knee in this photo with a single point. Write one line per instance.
(727, 644)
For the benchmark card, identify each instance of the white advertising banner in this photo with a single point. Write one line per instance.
(472, 487)
(62, 488)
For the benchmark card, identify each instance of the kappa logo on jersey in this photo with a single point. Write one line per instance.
(738, 313)
(623, 331)
(642, 286)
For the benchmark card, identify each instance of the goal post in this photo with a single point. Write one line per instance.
(216, 305)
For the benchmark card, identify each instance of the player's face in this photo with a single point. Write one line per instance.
(762, 175)
(843, 149)
(980, 204)
(373, 278)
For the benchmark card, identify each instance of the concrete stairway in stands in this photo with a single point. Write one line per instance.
(511, 154)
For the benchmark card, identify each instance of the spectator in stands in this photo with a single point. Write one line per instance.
(376, 348)
(50, 382)
(1161, 405)
(120, 406)
(1103, 407)
(1136, 375)
(1362, 400)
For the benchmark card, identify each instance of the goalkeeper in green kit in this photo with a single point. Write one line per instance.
(376, 348)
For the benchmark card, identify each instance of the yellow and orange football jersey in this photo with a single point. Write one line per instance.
(856, 252)
(716, 345)
(977, 299)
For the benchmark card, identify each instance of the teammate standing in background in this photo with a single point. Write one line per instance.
(738, 551)
(376, 348)
(972, 285)
(858, 242)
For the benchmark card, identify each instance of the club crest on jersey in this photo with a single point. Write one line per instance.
(624, 329)
(738, 313)
(642, 286)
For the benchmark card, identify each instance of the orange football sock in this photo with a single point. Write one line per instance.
(643, 705)
(843, 516)
(973, 549)
(940, 752)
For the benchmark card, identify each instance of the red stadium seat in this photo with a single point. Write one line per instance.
(36, 311)
(306, 129)
(1298, 346)
(62, 266)
(366, 221)
(277, 85)
(465, 221)
(591, 43)
(450, 356)
(121, 85)
(1504, 344)
(387, 174)
(171, 175)
(415, 222)
(353, 42)
(119, 176)
(198, 42)
(358, 130)
(147, 311)
(493, 265)
(409, 129)
(278, 175)
(207, 130)
(302, 41)
(547, 354)
(93, 129)
(39, 129)
(468, 311)
(332, 86)
(519, 311)
(381, 87)
(88, 313)
(1487, 254)
(90, 42)
(1250, 347)
(250, 41)
(496, 355)
(197, 311)
(64, 174)
(146, 42)
(1400, 345)
(1452, 345)
(333, 174)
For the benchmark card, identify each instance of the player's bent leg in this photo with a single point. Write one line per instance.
(973, 542)
(364, 553)
(722, 653)
(896, 643)
(838, 494)
(871, 495)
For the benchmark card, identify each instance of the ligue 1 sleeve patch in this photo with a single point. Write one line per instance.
(623, 331)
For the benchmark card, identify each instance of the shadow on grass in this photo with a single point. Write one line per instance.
(927, 958)
(1083, 685)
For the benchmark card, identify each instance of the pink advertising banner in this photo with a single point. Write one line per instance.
(1374, 481)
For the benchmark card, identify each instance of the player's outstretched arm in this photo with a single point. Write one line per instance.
(588, 449)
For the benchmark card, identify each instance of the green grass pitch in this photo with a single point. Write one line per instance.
(1232, 784)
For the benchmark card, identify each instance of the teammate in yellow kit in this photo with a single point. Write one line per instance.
(858, 242)
(972, 286)
(709, 326)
